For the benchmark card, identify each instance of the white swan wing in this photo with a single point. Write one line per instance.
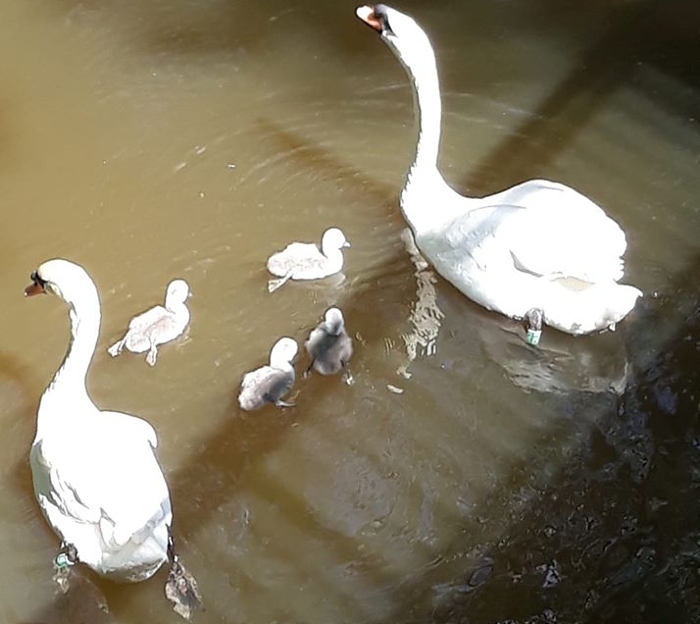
(552, 231)
(557, 231)
(54, 486)
(109, 478)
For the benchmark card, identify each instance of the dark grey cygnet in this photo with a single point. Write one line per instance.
(329, 345)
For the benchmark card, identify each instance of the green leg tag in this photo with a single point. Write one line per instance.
(533, 336)
(62, 560)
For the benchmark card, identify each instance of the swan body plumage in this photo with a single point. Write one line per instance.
(269, 383)
(329, 345)
(537, 245)
(96, 476)
(157, 325)
(305, 261)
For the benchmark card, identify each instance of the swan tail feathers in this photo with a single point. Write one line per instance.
(621, 304)
(597, 308)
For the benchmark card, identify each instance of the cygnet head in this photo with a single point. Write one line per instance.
(177, 292)
(334, 321)
(63, 278)
(333, 238)
(400, 32)
(283, 352)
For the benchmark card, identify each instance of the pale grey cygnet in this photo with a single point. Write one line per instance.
(269, 383)
(305, 261)
(158, 325)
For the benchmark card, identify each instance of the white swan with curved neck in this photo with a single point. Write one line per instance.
(96, 476)
(539, 250)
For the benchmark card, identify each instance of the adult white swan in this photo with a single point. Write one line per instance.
(539, 250)
(96, 476)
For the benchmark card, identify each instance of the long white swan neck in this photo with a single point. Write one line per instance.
(85, 328)
(426, 199)
(428, 110)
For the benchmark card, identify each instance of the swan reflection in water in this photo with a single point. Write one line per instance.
(560, 364)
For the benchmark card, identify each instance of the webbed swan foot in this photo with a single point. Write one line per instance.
(65, 559)
(181, 587)
(534, 318)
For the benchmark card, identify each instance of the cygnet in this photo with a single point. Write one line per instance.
(270, 383)
(158, 325)
(329, 345)
(305, 261)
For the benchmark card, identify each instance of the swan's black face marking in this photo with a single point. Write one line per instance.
(37, 287)
(382, 15)
(36, 278)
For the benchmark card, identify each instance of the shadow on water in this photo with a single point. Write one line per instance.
(614, 537)
(647, 31)
(308, 156)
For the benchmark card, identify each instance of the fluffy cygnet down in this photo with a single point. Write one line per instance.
(329, 345)
(305, 261)
(158, 325)
(268, 384)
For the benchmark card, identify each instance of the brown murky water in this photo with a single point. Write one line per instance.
(148, 140)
